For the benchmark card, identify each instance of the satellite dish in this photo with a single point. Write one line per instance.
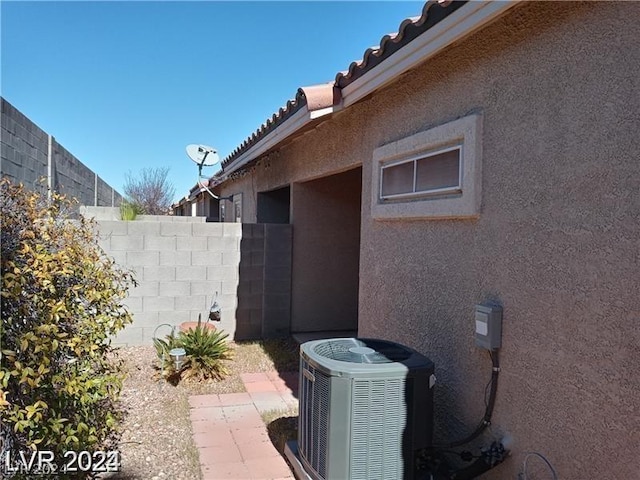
(203, 155)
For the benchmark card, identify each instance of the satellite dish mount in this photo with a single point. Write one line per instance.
(203, 156)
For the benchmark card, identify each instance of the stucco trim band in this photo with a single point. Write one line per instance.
(466, 132)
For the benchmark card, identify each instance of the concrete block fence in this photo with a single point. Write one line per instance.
(30, 156)
(264, 288)
(179, 266)
(113, 213)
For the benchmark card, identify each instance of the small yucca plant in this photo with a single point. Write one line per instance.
(206, 350)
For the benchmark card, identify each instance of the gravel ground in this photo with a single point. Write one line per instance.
(156, 438)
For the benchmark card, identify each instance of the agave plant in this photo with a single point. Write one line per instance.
(206, 351)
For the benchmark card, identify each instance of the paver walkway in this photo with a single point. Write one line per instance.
(231, 437)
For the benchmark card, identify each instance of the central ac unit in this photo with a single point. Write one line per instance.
(366, 406)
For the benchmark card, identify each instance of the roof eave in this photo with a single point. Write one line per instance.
(195, 192)
(285, 131)
(464, 21)
(461, 23)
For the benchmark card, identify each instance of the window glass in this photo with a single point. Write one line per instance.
(438, 171)
(397, 179)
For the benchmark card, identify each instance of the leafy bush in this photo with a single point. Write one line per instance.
(61, 302)
(129, 211)
(206, 350)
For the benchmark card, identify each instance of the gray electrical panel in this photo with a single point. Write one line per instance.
(488, 326)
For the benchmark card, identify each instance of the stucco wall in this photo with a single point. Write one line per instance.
(556, 241)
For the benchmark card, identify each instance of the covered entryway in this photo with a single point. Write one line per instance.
(326, 253)
(274, 206)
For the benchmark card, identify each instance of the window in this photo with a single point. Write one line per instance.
(432, 174)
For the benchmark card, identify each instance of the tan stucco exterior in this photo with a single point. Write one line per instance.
(556, 240)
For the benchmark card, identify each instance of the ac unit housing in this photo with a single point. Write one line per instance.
(366, 406)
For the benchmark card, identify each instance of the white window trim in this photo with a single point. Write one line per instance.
(462, 202)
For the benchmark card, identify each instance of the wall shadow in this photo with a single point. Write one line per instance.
(285, 355)
(264, 285)
(281, 430)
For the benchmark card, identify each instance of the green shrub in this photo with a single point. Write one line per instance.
(206, 351)
(129, 211)
(61, 302)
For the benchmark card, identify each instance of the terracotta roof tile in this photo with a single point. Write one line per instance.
(410, 28)
(315, 97)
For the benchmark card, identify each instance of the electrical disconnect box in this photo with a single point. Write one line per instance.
(488, 326)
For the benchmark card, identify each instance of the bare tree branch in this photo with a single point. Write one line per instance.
(151, 190)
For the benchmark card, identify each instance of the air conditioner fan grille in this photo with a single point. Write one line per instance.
(354, 350)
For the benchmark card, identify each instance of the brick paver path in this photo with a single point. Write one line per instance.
(230, 435)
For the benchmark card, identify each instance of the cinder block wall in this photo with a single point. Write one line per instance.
(179, 266)
(24, 158)
(71, 177)
(113, 213)
(264, 290)
(23, 149)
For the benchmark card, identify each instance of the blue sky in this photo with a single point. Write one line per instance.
(127, 85)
